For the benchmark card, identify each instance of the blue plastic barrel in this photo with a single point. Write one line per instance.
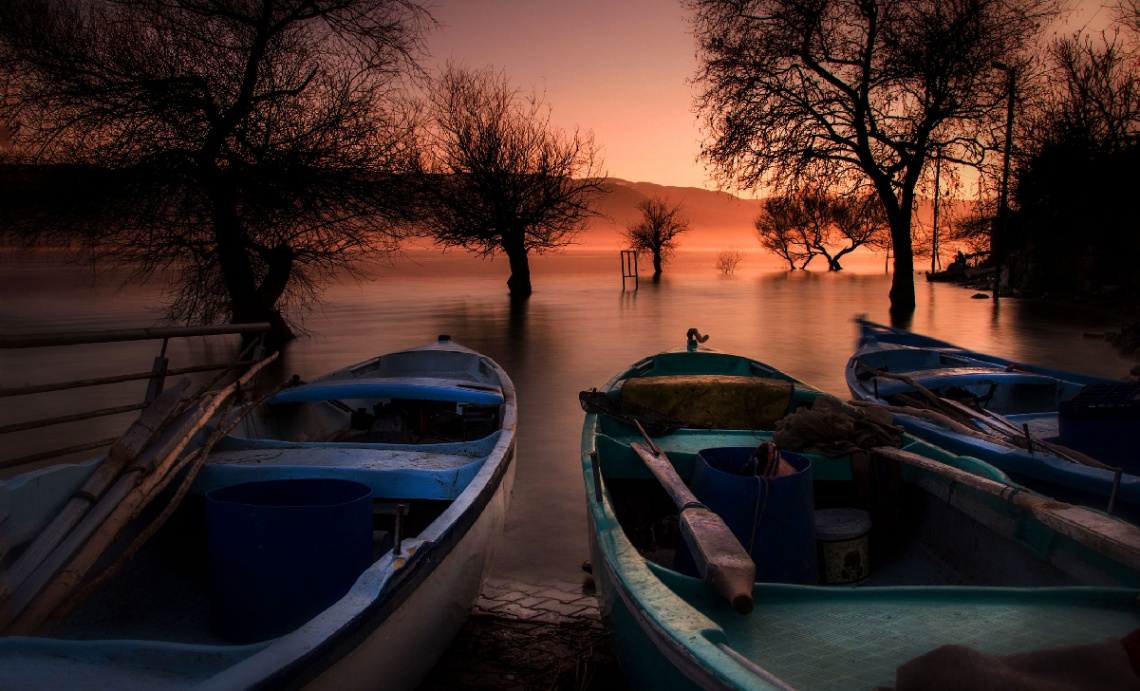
(281, 551)
(773, 518)
(1103, 420)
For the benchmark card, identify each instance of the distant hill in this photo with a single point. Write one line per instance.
(717, 219)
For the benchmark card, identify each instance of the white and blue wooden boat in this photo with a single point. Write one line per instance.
(1062, 433)
(428, 433)
(957, 555)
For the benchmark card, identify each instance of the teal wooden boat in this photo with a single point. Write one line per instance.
(957, 554)
(336, 538)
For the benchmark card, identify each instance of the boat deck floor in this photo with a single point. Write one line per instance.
(858, 642)
(855, 638)
(161, 595)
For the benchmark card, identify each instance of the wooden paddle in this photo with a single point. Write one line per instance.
(721, 560)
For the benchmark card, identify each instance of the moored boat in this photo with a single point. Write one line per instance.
(913, 548)
(1062, 433)
(336, 537)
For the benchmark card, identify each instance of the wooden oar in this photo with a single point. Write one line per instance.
(935, 416)
(1115, 539)
(137, 437)
(70, 562)
(721, 560)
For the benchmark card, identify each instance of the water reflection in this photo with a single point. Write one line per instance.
(571, 334)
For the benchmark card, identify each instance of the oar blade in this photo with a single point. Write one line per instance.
(723, 564)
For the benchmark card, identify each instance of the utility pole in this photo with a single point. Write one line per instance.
(937, 188)
(1003, 204)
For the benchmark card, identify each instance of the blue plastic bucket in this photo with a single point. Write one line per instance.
(772, 517)
(282, 551)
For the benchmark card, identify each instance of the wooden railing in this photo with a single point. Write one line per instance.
(160, 370)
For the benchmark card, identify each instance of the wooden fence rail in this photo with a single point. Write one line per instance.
(157, 375)
(118, 335)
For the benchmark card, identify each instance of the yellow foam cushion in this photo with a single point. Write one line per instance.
(714, 400)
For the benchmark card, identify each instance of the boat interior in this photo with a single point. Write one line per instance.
(921, 534)
(416, 430)
(975, 383)
(943, 563)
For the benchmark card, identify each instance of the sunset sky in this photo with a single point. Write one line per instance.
(617, 67)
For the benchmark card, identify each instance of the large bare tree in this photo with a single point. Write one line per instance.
(500, 176)
(855, 91)
(252, 145)
(657, 230)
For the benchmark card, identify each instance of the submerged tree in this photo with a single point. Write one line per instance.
(855, 91)
(251, 145)
(657, 230)
(812, 223)
(728, 259)
(858, 221)
(500, 177)
(780, 231)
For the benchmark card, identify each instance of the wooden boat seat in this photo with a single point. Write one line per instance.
(943, 377)
(429, 471)
(417, 388)
(714, 400)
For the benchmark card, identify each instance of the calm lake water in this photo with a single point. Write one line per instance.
(577, 330)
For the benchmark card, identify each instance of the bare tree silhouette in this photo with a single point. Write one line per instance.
(856, 91)
(500, 177)
(1079, 165)
(728, 259)
(657, 230)
(780, 231)
(858, 221)
(812, 223)
(254, 146)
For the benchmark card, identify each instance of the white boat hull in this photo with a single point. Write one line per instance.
(411, 640)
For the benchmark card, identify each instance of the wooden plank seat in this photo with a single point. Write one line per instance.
(427, 471)
(944, 377)
(416, 388)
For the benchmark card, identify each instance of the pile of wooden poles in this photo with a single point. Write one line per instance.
(58, 569)
(980, 424)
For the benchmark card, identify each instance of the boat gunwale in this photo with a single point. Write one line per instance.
(909, 338)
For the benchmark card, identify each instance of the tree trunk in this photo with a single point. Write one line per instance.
(656, 261)
(248, 302)
(280, 268)
(832, 262)
(902, 281)
(519, 282)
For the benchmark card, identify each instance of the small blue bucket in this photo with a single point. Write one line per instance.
(281, 551)
(773, 518)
